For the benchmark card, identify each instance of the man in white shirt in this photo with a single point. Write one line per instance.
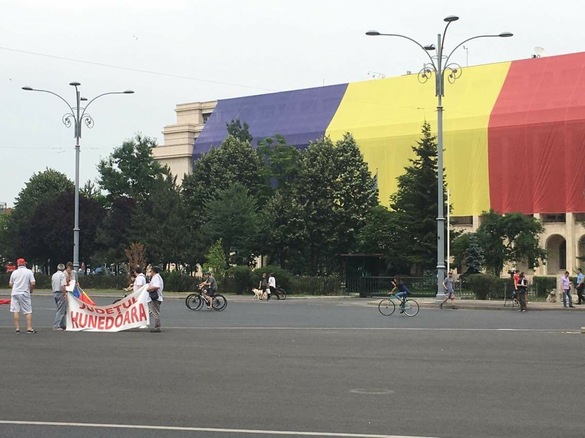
(156, 285)
(58, 283)
(22, 282)
(271, 285)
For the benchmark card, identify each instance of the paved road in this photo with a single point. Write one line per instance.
(322, 367)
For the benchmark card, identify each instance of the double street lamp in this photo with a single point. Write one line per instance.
(77, 115)
(440, 66)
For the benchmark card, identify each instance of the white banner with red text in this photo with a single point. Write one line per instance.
(130, 312)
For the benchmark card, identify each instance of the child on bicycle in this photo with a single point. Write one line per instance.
(402, 293)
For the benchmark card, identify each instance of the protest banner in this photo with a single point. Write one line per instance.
(130, 312)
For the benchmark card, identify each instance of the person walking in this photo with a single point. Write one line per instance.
(22, 281)
(156, 285)
(271, 285)
(58, 283)
(580, 286)
(566, 288)
(522, 291)
(516, 279)
(449, 291)
(263, 286)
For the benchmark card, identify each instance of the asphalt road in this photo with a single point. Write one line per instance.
(317, 367)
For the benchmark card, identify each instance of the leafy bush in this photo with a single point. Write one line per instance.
(484, 285)
(238, 279)
(543, 285)
(315, 285)
(177, 281)
(282, 276)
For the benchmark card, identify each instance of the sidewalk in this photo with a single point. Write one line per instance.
(428, 303)
(424, 302)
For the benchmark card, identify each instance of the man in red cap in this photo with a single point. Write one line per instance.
(22, 282)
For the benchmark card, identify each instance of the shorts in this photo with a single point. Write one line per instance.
(450, 295)
(210, 292)
(20, 304)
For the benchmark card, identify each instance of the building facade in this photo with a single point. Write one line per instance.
(514, 139)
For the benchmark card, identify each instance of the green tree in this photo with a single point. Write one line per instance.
(415, 205)
(234, 161)
(130, 171)
(42, 187)
(283, 232)
(281, 162)
(467, 252)
(239, 131)
(509, 238)
(159, 223)
(48, 232)
(113, 235)
(216, 261)
(334, 191)
(132, 179)
(232, 217)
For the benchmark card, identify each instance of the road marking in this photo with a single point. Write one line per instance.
(416, 329)
(203, 429)
(371, 391)
(412, 329)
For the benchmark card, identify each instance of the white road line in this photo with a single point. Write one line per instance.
(203, 429)
(416, 329)
(413, 329)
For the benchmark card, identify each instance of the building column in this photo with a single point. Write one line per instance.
(571, 243)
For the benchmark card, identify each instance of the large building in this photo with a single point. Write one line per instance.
(514, 138)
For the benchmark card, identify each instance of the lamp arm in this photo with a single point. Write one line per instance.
(97, 97)
(464, 41)
(55, 94)
(432, 62)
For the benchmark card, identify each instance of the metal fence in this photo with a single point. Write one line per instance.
(427, 287)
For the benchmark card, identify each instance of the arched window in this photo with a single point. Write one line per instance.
(563, 255)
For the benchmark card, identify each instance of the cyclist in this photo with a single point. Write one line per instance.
(209, 287)
(402, 293)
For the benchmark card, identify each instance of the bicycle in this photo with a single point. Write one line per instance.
(408, 306)
(196, 300)
(280, 293)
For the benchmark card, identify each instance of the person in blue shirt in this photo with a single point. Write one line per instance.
(402, 293)
(580, 286)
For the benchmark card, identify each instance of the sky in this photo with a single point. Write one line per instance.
(180, 51)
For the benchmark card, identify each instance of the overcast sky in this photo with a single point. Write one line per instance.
(179, 51)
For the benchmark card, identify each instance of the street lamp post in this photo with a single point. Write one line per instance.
(77, 115)
(440, 65)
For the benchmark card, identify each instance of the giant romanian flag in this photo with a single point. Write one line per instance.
(514, 132)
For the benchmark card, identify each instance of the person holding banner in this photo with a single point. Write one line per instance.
(155, 298)
(139, 280)
(58, 282)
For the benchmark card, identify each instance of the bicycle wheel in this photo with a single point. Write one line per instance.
(410, 307)
(219, 302)
(386, 307)
(194, 302)
(281, 293)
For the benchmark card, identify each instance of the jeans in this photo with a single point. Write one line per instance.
(567, 293)
(401, 295)
(61, 302)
